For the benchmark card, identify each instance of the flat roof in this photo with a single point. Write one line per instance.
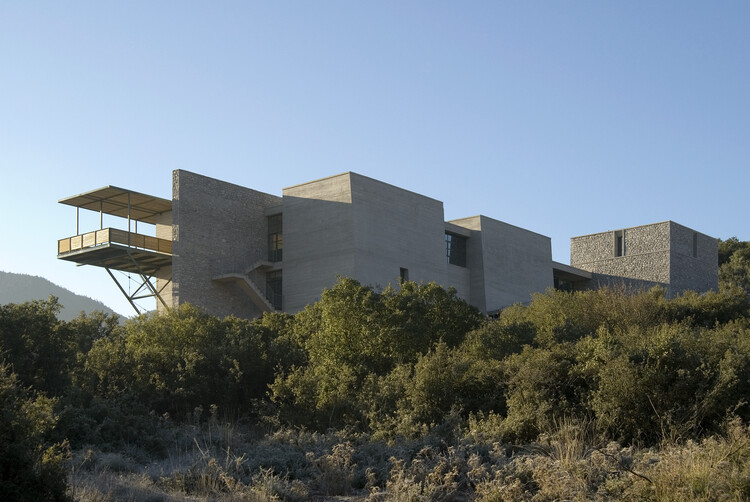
(570, 273)
(118, 201)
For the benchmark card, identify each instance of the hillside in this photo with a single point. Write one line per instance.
(19, 288)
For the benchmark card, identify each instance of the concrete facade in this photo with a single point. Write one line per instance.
(238, 251)
(345, 225)
(506, 263)
(666, 254)
(354, 226)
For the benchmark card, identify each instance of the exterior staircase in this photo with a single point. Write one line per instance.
(249, 286)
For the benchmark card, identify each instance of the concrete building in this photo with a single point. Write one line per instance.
(235, 251)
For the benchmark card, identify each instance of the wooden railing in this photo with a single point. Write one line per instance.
(113, 236)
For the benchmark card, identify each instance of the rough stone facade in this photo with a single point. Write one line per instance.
(666, 254)
(217, 228)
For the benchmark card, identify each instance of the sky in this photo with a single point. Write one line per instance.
(564, 118)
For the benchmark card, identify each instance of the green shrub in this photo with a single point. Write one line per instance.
(30, 468)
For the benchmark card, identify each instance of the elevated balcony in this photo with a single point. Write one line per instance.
(113, 249)
(117, 249)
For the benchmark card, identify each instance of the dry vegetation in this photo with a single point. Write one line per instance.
(220, 464)
(399, 395)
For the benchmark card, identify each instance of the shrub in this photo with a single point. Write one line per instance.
(30, 468)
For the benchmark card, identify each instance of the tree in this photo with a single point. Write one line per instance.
(37, 346)
(355, 335)
(734, 264)
(182, 359)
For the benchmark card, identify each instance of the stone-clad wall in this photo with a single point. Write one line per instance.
(646, 256)
(661, 253)
(218, 228)
(694, 262)
(591, 250)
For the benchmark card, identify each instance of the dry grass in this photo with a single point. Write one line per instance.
(564, 464)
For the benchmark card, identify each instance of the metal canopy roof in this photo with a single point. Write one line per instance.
(114, 201)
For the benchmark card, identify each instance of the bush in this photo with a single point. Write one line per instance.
(182, 359)
(30, 468)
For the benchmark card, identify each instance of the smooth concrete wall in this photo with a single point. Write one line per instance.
(218, 228)
(517, 262)
(459, 277)
(474, 261)
(319, 231)
(350, 225)
(393, 229)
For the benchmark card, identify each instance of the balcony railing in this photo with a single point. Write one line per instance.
(113, 236)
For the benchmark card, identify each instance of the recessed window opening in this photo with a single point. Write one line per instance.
(695, 244)
(620, 243)
(273, 288)
(403, 274)
(275, 238)
(455, 249)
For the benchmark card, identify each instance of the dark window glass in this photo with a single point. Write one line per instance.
(275, 238)
(404, 274)
(273, 288)
(695, 244)
(455, 248)
(620, 243)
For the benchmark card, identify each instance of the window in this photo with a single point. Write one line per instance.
(620, 243)
(273, 288)
(695, 244)
(275, 238)
(455, 249)
(404, 274)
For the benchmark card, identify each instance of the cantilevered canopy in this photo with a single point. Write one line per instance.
(120, 202)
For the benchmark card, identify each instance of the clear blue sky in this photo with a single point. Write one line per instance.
(565, 118)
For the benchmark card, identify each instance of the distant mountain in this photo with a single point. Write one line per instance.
(20, 288)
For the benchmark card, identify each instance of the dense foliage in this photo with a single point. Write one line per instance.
(399, 366)
(734, 264)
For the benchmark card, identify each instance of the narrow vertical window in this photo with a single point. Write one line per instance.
(620, 243)
(695, 244)
(273, 288)
(275, 238)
